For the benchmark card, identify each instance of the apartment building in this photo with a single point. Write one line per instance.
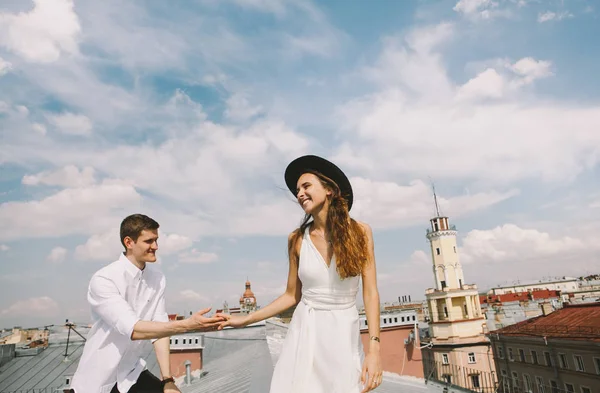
(558, 352)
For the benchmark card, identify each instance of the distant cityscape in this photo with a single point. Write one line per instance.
(532, 337)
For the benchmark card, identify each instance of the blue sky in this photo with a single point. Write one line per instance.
(190, 112)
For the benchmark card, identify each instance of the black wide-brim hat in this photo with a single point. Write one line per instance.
(304, 164)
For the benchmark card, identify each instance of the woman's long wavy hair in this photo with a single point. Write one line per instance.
(347, 237)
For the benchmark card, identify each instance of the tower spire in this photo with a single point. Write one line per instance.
(437, 207)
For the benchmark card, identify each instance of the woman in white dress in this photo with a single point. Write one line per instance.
(328, 255)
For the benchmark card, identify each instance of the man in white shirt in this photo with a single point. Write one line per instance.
(128, 305)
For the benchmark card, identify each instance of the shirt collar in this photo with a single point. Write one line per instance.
(130, 268)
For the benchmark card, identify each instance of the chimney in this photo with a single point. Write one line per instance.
(546, 308)
(188, 372)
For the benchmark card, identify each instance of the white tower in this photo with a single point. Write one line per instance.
(456, 323)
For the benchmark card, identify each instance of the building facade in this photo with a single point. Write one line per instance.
(457, 352)
(400, 345)
(558, 352)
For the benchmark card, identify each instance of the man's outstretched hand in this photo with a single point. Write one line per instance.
(199, 323)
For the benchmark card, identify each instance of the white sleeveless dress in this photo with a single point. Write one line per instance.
(322, 351)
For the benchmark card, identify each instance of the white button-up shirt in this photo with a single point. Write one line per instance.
(120, 295)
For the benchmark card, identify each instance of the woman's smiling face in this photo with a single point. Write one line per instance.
(311, 193)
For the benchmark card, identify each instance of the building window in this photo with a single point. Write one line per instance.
(515, 382)
(569, 388)
(196, 341)
(414, 318)
(534, 358)
(445, 358)
(475, 381)
(597, 364)
(471, 357)
(500, 352)
(540, 385)
(466, 309)
(402, 319)
(170, 341)
(585, 389)
(384, 320)
(579, 366)
(527, 387)
(396, 319)
(505, 381)
(553, 387)
(184, 341)
(446, 311)
(437, 251)
(562, 361)
(454, 247)
(510, 355)
(68, 381)
(521, 355)
(366, 322)
(548, 359)
(447, 378)
(176, 341)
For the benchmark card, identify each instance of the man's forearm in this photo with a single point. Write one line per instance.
(147, 330)
(162, 349)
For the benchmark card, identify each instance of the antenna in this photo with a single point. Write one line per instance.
(437, 208)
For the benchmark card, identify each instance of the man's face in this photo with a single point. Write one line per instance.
(144, 249)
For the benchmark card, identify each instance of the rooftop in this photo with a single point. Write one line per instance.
(574, 321)
(520, 296)
(235, 361)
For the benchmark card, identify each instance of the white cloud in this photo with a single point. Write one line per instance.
(389, 205)
(104, 247)
(68, 176)
(422, 126)
(239, 108)
(4, 247)
(411, 62)
(71, 124)
(83, 210)
(39, 128)
(476, 8)
(190, 294)
(5, 66)
(491, 83)
(57, 255)
(488, 84)
(42, 34)
(510, 243)
(172, 243)
(43, 306)
(197, 257)
(530, 69)
(550, 16)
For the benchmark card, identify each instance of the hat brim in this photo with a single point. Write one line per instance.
(304, 164)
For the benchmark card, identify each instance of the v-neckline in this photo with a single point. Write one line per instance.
(328, 266)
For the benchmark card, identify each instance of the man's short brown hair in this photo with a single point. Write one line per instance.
(133, 225)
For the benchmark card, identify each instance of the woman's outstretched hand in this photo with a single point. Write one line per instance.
(235, 321)
(372, 373)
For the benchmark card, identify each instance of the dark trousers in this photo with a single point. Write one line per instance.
(146, 383)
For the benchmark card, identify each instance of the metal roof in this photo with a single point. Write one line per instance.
(235, 361)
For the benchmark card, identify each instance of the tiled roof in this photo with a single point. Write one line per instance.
(520, 296)
(574, 321)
